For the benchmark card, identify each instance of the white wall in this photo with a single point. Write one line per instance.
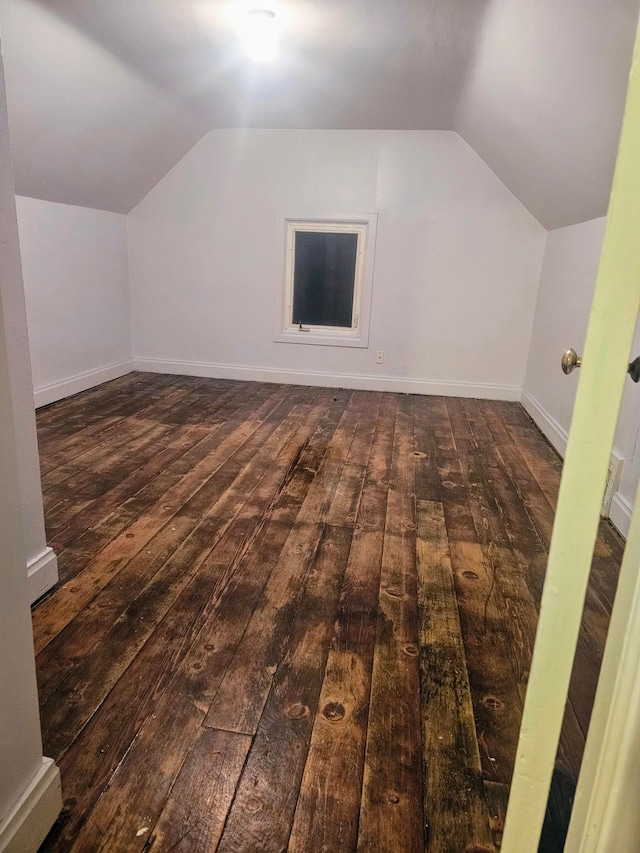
(628, 444)
(29, 787)
(562, 314)
(41, 567)
(74, 263)
(456, 271)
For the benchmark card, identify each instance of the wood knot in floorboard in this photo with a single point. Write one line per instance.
(297, 711)
(333, 711)
(394, 592)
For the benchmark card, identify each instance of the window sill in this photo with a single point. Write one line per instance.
(327, 339)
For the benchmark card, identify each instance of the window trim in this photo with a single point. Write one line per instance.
(363, 224)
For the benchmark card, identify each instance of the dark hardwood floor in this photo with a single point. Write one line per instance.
(295, 618)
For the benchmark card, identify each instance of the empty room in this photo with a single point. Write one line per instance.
(319, 421)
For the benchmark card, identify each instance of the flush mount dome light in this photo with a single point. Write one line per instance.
(259, 35)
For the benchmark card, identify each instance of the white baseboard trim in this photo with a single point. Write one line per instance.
(42, 574)
(620, 514)
(556, 433)
(26, 826)
(80, 382)
(481, 390)
(621, 509)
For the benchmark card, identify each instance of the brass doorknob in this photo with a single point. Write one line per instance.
(570, 360)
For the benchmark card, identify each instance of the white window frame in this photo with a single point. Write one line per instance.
(362, 224)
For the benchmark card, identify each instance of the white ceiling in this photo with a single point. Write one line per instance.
(543, 105)
(105, 97)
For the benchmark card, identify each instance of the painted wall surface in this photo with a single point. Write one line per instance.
(456, 269)
(628, 442)
(20, 741)
(74, 263)
(39, 558)
(562, 315)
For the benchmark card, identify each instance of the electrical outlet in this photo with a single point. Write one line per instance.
(379, 356)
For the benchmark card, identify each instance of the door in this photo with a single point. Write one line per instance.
(598, 812)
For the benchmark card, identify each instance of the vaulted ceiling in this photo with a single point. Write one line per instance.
(105, 97)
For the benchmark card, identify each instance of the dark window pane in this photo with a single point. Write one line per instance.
(323, 278)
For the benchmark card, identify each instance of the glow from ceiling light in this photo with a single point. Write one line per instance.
(259, 35)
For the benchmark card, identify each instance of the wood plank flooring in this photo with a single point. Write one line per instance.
(295, 619)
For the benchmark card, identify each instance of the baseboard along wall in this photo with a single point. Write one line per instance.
(26, 826)
(45, 394)
(42, 574)
(621, 509)
(360, 382)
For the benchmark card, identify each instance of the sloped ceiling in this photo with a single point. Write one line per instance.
(543, 105)
(105, 97)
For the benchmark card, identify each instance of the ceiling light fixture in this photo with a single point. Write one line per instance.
(259, 35)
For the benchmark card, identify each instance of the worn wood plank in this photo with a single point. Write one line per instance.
(391, 813)
(195, 812)
(354, 456)
(496, 699)
(187, 498)
(539, 480)
(175, 721)
(98, 403)
(236, 408)
(93, 395)
(98, 521)
(427, 478)
(73, 446)
(121, 407)
(95, 755)
(451, 755)
(488, 476)
(513, 596)
(265, 802)
(171, 549)
(538, 458)
(107, 456)
(344, 507)
(243, 692)
(453, 487)
(595, 619)
(546, 466)
(175, 568)
(92, 484)
(194, 640)
(497, 800)
(82, 529)
(326, 816)
(102, 450)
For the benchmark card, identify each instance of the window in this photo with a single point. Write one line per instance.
(328, 271)
(324, 278)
